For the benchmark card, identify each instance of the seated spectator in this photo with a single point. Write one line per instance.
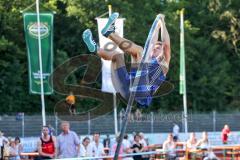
(126, 147)
(210, 155)
(145, 146)
(13, 151)
(137, 147)
(107, 143)
(114, 147)
(131, 138)
(97, 148)
(203, 143)
(142, 139)
(85, 150)
(19, 145)
(192, 141)
(169, 147)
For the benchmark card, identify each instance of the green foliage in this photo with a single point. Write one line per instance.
(212, 31)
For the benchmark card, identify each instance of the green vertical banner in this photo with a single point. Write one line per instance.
(182, 87)
(46, 35)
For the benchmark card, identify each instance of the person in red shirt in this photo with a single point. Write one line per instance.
(225, 133)
(47, 145)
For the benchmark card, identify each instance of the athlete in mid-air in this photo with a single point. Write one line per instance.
(153, 72)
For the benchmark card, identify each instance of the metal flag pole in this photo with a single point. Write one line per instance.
(114, 94)
(40, 64)
(182, 68)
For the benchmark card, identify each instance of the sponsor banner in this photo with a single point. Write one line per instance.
(31, 36)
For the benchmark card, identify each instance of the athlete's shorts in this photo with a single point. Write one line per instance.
(149, 79)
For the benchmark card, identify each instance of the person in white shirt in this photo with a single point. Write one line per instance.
(169, 146)
(192, 141)
(13, 151)
(142, 140)
(85, 148)
(126, 147)
(3, 140)
(144, 144)
(204, 144)
(97, 148)
(175, 132)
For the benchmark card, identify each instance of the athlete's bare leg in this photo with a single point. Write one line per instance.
(127, 46)
(114, 56)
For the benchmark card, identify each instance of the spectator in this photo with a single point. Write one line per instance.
(126, 147)
(142, 139)
(3, 140)
(137, 147)
(203, 143)
(131, 138)
(51, 129)
(13, 151)
(121, 113)
(145, 146)
(225, 134)
(192, 141)
(138, 115)
(19, 145)
(114, 147)
(70, 101)
(175, 132)
(47, 145)
(210, 155)
(169, 147)
(68, 142)
(85, 150)
(97, 147)
(106, 142)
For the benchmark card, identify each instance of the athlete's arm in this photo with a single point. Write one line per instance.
(166, 42)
